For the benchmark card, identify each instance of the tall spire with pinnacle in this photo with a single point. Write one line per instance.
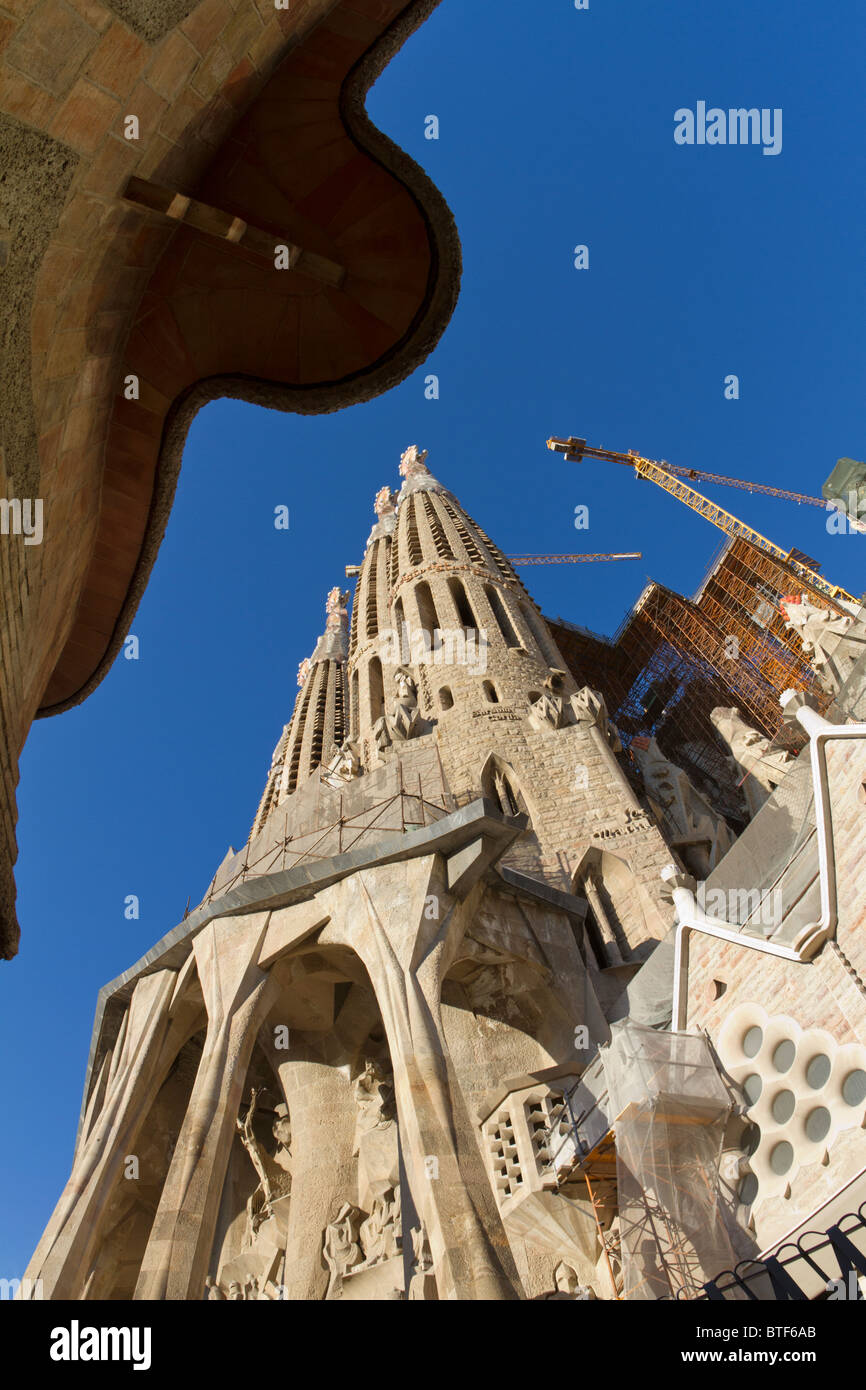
(319, 722)
(429, 567)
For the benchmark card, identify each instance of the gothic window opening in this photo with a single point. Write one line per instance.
(394, 561)
(413, 540)
(469, 545)
(377, 690)
(298, 735)
(490, 692)
(500, 613)
(340, 722)
(427, 615)
(538, 627)
(499, 559)
(354, 702)
(372, 624)
(446, 699)
(440, 540)
(500, 785)
(318, 738)
(353, 630)
(462, 604)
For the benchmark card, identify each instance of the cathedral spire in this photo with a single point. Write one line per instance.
(415, 473)
(319, 722)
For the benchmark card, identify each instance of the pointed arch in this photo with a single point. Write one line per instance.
(500, 613)
(465, 612)
(501, 785)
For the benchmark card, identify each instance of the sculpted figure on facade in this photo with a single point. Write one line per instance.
(274, 1172)
(550, 710)
(705, 836)
(404, 721)
(380, 1234)
(567, 1286)
(342, 1248)
(750, 754)
(422, 1283)
(374, 1096)
(823, 635)
(375, 1144)
(345, 765)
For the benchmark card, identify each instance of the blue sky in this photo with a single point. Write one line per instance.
(704, 261)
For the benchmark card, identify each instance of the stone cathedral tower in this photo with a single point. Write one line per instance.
(334, 1079)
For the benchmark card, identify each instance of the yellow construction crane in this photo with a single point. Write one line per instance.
(577, 449)
(572, 559)
(663, 474)
(352, 571)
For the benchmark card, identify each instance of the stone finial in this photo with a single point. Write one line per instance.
(336, 602)
(413, 461)
(384, 502)
(304, 670)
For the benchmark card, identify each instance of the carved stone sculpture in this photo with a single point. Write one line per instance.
(344, 766)
(750, 754)
(550, 710)
(380, 1234)
(422, 1284)
(590, 710)
(384, 502)
(703, 836)
(404, 721)
(342, 1250)
(822, 634)
(274, 1173)
(567, 1285)
(374, 1096)
(375, 1134)
(412, 460)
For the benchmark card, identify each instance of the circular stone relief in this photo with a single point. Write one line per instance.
(783, 1107)
(781, 1158)
(783, 1055)
(818, 1071)
(752, 1041)
(748, 1189)
(818, 1124)
(854, 1088)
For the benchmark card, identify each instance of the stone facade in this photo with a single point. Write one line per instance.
(370, 1064)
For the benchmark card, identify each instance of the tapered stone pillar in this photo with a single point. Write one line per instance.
(237, 997)
(608, 935)
(405, 926)
(146, 1046)
(322, 1109)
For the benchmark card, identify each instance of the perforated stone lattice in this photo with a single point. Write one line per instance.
(802, 1088)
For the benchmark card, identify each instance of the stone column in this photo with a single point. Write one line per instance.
(237, 997)
(608, 935)
(132, 1075)
(405, 926)
(322, 1110)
